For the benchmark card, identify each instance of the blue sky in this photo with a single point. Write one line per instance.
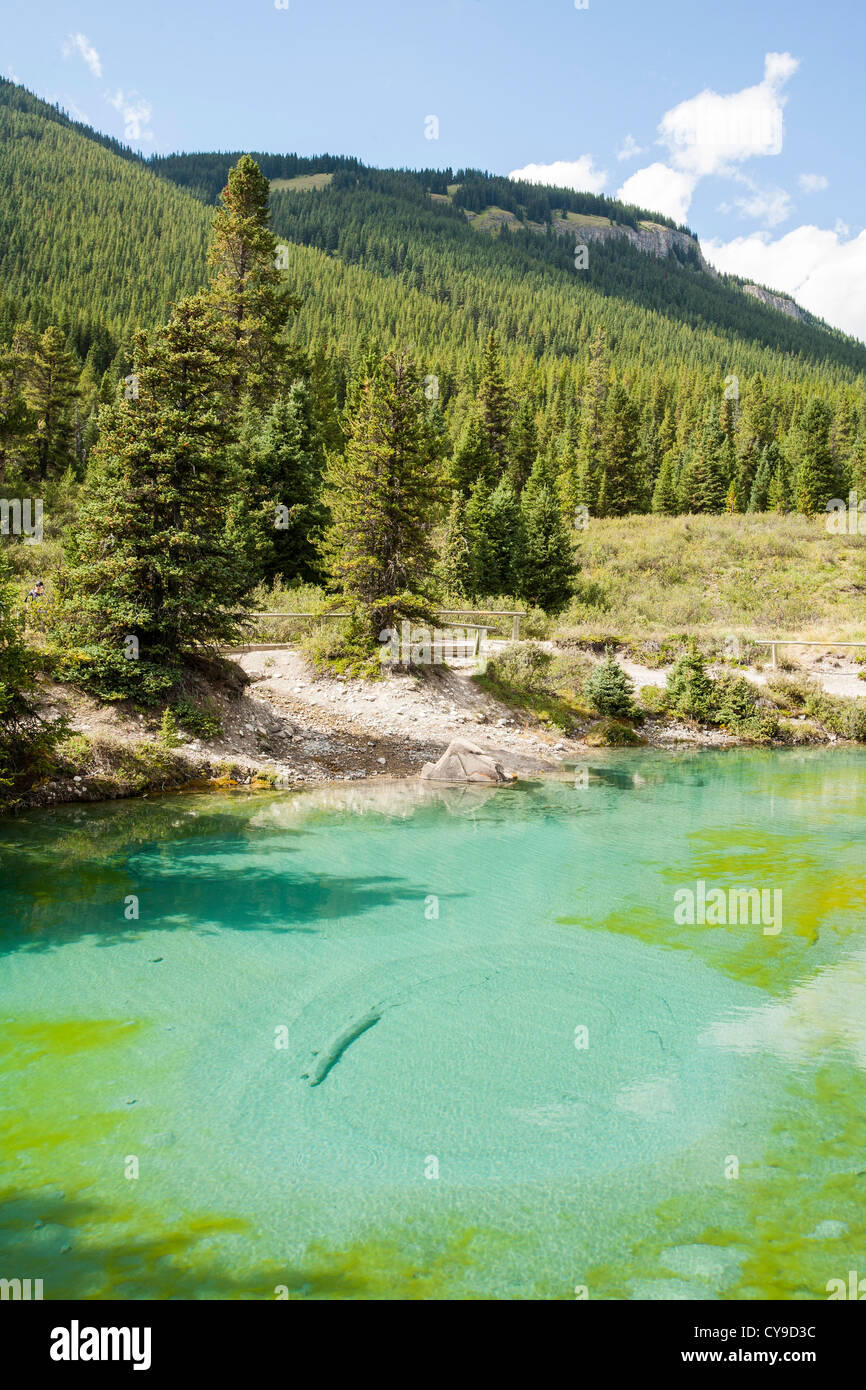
(675, 103)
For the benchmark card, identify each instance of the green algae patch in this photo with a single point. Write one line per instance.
(54, 1074)
(27, 1042)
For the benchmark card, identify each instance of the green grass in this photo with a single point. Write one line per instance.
(301, 183)
(761, 575)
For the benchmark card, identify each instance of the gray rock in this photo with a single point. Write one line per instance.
(465, 762)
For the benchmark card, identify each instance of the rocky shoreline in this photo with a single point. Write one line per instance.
(284, 726)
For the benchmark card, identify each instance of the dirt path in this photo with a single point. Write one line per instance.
(416, 714)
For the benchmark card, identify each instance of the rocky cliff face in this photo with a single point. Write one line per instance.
(777, 301)
(652, 238)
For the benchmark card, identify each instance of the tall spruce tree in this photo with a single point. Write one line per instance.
(456, 564)
(494, 404)
(666, 491)
(704, 483)
(506, 539)
(817, 480)
(26, 736)
(17, 422)
(522, 445)
(473, 458)
(247, 290)
(484, 574)
(619, 457)
(151, 558)
(548, 558)
(50, 391)
(770, 462)
(383, 496)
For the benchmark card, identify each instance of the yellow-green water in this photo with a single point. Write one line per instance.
(399, 1042)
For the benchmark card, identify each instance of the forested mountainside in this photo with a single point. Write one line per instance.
(98, 239)
(642, 363)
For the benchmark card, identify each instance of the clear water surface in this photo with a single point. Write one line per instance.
(391, 1041)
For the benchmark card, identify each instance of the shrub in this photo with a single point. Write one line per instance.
(342, 648)
(201, 720)
(611, 733)
(690, 689)
(109, 675)
(569, 671)
(653, 699)
(844, 718)
(169, 733)
(787, 692)
(609, 689)
(521, 666)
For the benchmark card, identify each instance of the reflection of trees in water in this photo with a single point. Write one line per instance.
(73, 870)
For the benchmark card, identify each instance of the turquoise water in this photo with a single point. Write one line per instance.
(393, 1041)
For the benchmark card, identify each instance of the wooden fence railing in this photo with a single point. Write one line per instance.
(774, 642)
(514, 614)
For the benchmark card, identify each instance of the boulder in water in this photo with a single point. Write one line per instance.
(466, 762)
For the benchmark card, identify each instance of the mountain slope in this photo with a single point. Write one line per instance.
(89, 236)
(96, 238)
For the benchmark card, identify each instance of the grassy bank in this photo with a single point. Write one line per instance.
(755, 575)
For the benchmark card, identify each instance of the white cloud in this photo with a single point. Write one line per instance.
(768, 205)
(136, 113)
(709, 133)
(713, 134)
(630, 148)
(660, 189)
(824, 271)
(80, 43)
(579, 174)
(812, 183)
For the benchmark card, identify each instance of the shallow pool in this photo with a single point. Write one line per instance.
(394, 1041)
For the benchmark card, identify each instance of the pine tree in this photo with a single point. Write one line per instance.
(505, 533)
(770, 462)
(151, 557)
(733, 501)
(548, 564)
(484, 576)
(666, 491)
(522, 445)
(26, 737)
(689, 687)
(50, 390)
(778, 492)
(287, 469)
(17, 423)
(858, 464)
(382, 496)
(589, 467)
(816, 480)
(456, 564)
(247, 289)
(619, 453)
(473, 458)
(704, 484)
(609, 690)
(169, 733)
(494, 404)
